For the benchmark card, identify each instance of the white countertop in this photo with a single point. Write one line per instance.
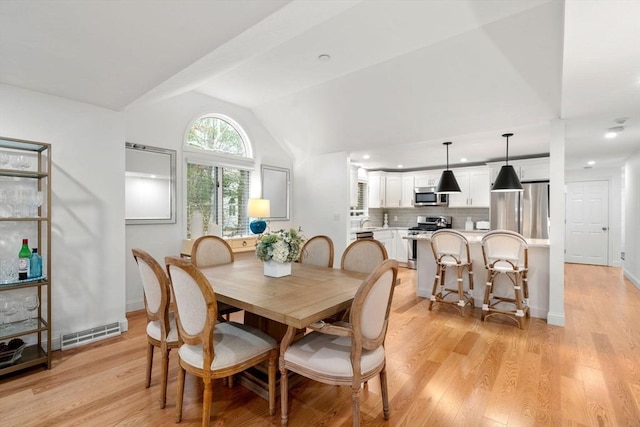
(476, 237)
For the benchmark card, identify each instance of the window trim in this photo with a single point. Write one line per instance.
(196, 155)
(248, 146)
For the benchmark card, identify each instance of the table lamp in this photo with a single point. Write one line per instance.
(258, 209)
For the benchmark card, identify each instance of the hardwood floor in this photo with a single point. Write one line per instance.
(443, 370)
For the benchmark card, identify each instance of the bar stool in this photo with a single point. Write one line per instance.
(506, 253)
(451, 251)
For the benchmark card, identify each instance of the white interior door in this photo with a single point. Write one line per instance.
(587, 222)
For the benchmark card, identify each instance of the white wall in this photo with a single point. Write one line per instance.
(164, 125)
(321, 199)
(88, 287)
(614, 177)
(631, 264)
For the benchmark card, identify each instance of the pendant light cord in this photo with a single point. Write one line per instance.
(507, 135)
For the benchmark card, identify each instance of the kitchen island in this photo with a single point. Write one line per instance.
(538, 271)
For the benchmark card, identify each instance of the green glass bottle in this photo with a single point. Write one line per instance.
(24, 257)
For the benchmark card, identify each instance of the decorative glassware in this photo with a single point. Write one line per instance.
(31, 304)
(9, 308)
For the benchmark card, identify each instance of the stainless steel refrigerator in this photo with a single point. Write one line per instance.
(525, 212)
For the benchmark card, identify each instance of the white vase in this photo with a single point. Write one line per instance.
(277, 269)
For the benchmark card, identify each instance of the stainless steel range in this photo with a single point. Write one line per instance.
(425, 225)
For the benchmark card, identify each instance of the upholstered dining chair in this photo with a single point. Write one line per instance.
(363, 255)
(209, 349)
(318, 250)
(209, 251)
(161, 327)
(346, 354)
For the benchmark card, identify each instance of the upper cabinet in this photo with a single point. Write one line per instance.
(527, 169)
(393, 194)
(475, 188)
(534, 169)
(377, 190)
(427, 178)
(408, 185)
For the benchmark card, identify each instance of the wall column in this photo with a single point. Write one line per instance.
(555, 316)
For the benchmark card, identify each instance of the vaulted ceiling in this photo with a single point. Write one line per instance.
(402, 77)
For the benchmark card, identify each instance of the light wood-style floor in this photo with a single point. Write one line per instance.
(444, 370)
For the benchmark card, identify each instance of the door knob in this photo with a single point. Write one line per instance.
(605, 228)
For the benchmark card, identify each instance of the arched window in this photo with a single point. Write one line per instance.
(217, 189)
(213, 132)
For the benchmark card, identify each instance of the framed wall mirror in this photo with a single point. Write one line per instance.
(150, 185)
(275, 188)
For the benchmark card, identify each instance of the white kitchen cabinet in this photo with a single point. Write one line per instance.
(377, 189)
(387, 238)
(393, 190)
(427, 178)
(401, 246)
(475, 188)
(534, 169)
(408, 186)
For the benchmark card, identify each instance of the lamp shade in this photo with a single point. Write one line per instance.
(447, 183)
(258, 208)
(507, 180)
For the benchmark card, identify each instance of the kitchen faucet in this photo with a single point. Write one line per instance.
(363, 220)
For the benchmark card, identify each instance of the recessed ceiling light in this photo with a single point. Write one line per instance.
(366, 157)
(591, 162)
(464, 159)
(613, 132)
(400, 166)
(324, 57)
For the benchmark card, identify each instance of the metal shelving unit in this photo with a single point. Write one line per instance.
(35, 174)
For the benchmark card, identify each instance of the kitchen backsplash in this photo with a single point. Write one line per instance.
(407, 217)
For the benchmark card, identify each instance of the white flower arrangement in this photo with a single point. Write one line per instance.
(280, 246)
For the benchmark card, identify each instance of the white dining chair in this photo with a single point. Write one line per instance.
(318, 250)
(210, 349)
(162, 331)
(346, 353)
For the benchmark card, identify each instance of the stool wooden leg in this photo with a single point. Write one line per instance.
(518, 291)
(487, 294)
(470, 274)
(436, 284)
(461, 299)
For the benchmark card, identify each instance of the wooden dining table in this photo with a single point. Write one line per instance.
(282, 306)
(309, 294)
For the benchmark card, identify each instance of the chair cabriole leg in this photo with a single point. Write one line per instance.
(385, 392)
(149, 364)
(284, 395)
(206, 401)
(180, 395)
(165, 373)
(355, 403)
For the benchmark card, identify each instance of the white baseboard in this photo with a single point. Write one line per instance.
(556, 319)
(134, 306)
(630, 277)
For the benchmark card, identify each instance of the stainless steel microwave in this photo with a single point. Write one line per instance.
(427, 196)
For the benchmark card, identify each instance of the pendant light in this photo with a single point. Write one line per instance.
(507, 179)
(447, 183)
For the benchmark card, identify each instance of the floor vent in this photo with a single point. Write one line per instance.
(90, 335)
